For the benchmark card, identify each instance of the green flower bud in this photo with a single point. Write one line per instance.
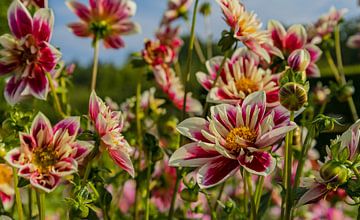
(345, 92)
(229, 206)
(205, 9)
(189, 195)
(334, 172)
(293, 96)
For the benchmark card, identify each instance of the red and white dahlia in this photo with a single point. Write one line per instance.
(172, 86)
(241, 76)
(109, 125)
(104, 19)
(232, 137)
(27, 53)
(48, 153)
(295, 37)
(156, 53)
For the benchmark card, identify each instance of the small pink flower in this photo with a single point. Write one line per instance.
(240, 77)
(6, 186)
(299, 60)
(109, 125)
(175, 10)
(232, 137)
(326, 24)
(27, 53)
(49, 153)
(292, 39)
(127, 198)
(104, 19)
(170, 37)
(156, 53)
(172, 86)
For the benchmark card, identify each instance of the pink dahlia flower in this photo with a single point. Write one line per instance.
(175, 10)
(109, 125)
(240, 77)
(295, 38)
(49, 153)
(232, 137)
(172, 86)
(170, 37)
(27, 53)
(104, 19)
(156, 53)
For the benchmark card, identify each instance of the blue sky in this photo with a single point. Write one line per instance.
(149, 13)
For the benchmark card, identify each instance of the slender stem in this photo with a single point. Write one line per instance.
(148, 179)
(17, 195)
(252, 202)
(173, 198)
(199, 51)
(183, 116)
(333, 66)
(209, 37)
(245, 191)
(258, 192)
(139, 143)
(356, 172)
(219, 195)
(322, 108)
(56, 99)
(288, 165)
(30, 202)
(218, 73)
(40, 197)
(212, 211)
(177, 68)
(95, 64)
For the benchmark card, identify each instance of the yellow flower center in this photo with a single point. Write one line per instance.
(44, 158)
(242, 132)
(5, 174)
(246, 85)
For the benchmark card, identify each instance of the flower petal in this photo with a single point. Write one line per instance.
(80, 29)
(66, 130)
(41, 130)
(81, 150)
(277, 32)
(314, 194)
(65, 167)
(114, 42)
(13, 157)
(192, 155)
(296, 38)
(49, 56)
(122, 159)
(20, 21)
(43, 23)
(81, 10)
(216, 171)
(192, 127)
(38, 84)
(94, 106)
(45, 182)
(257, 162)
(13, 90)
(274, 135)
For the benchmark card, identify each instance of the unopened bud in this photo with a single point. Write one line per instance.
(189, 195)
(293, 96)
(335, 173)
(299, 60)
(345, 92)
(205, 9)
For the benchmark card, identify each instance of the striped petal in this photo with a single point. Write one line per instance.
(41, 130)
(66, 131)
(20, 21)
(295, 38)
(45, 182)
(43, 23)
(122, 159)
(13, 90)
(257, 162)
(80, 29)
(314, 194)
(38, 84)
(81, 10)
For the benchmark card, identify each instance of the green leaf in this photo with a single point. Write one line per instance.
(352, 188)
(23, 182)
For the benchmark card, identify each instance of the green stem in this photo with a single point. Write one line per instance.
(219, 195)
(209, 38)
(56, 99)
(212, 211)
(288, 165)
(245, 191)
(95, 64)
(218, 73)
(333, 66)
(173, 198)
(258, 192)
(30, 202)
(252, 202)
(17, 195)
(356, 172)
(139, 143)
(338, 53)
(40, 198)
(148, 179)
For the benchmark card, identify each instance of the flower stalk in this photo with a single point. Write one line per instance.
(57, 104)
(17, 195)
(40, 197)
(95, 64)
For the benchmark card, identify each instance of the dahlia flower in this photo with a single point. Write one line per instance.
(7, 191)
(104, 19)
(240, 77)
(232, 137)
(156, 53)
(48, 153)
(247, 28)
(170, 37)
(295, 38)
(27, 53)
(326, 24)
(354, 41)
(176, 9)
(109, 125)
(172, 86)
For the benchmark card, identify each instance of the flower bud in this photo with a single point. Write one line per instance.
(293, 96)
(345, 92)
(320, 94)
(205, 9)
(299, 60)
(335, 173)
(189, 195)
(229, 206)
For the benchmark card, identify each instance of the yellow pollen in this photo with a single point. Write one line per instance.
(246, 85)
(5, 174)
(242, 132)
(44, 158)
